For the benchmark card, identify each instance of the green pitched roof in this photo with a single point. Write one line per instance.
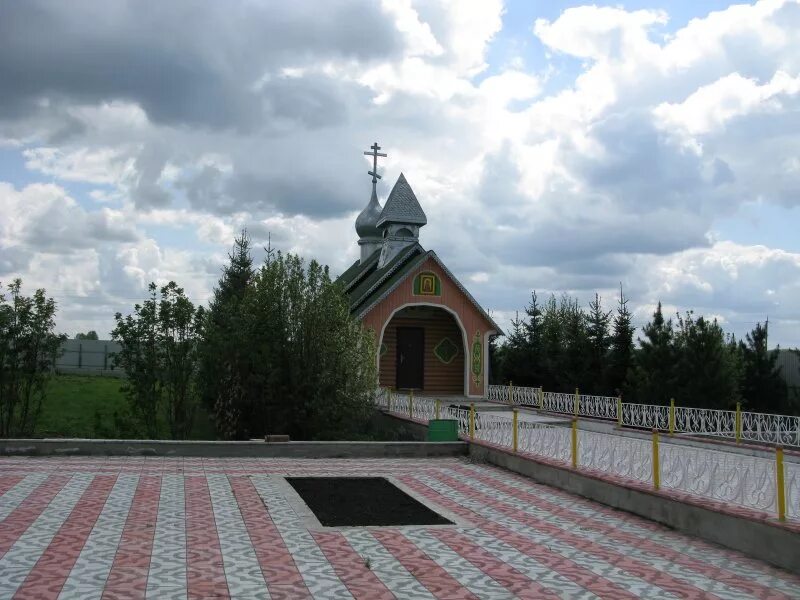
(366, 286)
(357, 270)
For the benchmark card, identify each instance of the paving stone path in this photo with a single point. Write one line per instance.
(145, 527)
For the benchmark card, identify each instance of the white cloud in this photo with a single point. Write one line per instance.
(472, 26)
(420, 41)
(601, 33)
(100, 165)
(44, 217)
(742, 284)
(612, 167)
(712, 106)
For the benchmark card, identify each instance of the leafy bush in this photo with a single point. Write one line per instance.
(159, 356)
(28, 348)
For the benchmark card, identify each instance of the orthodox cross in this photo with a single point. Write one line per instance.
(374, 154)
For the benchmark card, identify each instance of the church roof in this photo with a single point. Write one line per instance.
(366, 286)
(363, 285)
(402, 206)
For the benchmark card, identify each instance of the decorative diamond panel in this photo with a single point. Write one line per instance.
(446, 350)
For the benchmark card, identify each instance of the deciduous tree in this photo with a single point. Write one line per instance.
(158, 352)
(28, 349)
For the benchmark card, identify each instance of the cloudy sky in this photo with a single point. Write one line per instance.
(553, 145)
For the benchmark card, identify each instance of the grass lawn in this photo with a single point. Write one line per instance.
(72, 401)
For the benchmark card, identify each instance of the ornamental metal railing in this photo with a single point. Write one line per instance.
(763, 484)
(736, 424)
(524, 396)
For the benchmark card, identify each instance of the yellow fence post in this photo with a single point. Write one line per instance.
(411, 404)
(781, 488)
(619, 411)
(574, 443)
(656, 466)
(514, 431)
(738, 422)
(511, 392)
(471, 420)
(438, 409)
(672, 416)
(577, 401)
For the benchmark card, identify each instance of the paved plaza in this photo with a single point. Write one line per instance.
(151, 527)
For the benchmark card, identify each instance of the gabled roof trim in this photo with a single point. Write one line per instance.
(432, 254)
(398, 265)
(362, 273)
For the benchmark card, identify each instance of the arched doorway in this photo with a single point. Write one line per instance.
(422, 348)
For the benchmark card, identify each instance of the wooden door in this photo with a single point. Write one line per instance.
(410, 358)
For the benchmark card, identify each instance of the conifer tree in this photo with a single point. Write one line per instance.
(763, 388)
(576, 346)
(706, 370)
(515, 353)
(533, 336)
(597, 321)
(282, 354)
(225, 352)
(621, 353)
(652, 379)
(552, 349)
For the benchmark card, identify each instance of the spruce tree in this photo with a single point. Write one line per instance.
(597, 321)
(533, 335)
(621, 353)
(552, 349)
(706, 373)
(522, 351)
(652, 379)
(763, 388)
(515, 353)
(225, 352)
(576, 345)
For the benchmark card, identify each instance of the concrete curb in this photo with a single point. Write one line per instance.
(84, 447)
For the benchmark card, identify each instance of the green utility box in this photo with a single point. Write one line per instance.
(442, 430)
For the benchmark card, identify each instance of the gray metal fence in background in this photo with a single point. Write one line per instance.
(789, 362)
(88, 357)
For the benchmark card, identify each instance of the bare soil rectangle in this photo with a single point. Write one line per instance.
(362, 502)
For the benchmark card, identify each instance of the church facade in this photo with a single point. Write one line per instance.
(432, 336)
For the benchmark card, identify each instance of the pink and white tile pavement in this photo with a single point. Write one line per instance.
(145, 527)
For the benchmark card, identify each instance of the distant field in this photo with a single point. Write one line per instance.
(72, 401)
